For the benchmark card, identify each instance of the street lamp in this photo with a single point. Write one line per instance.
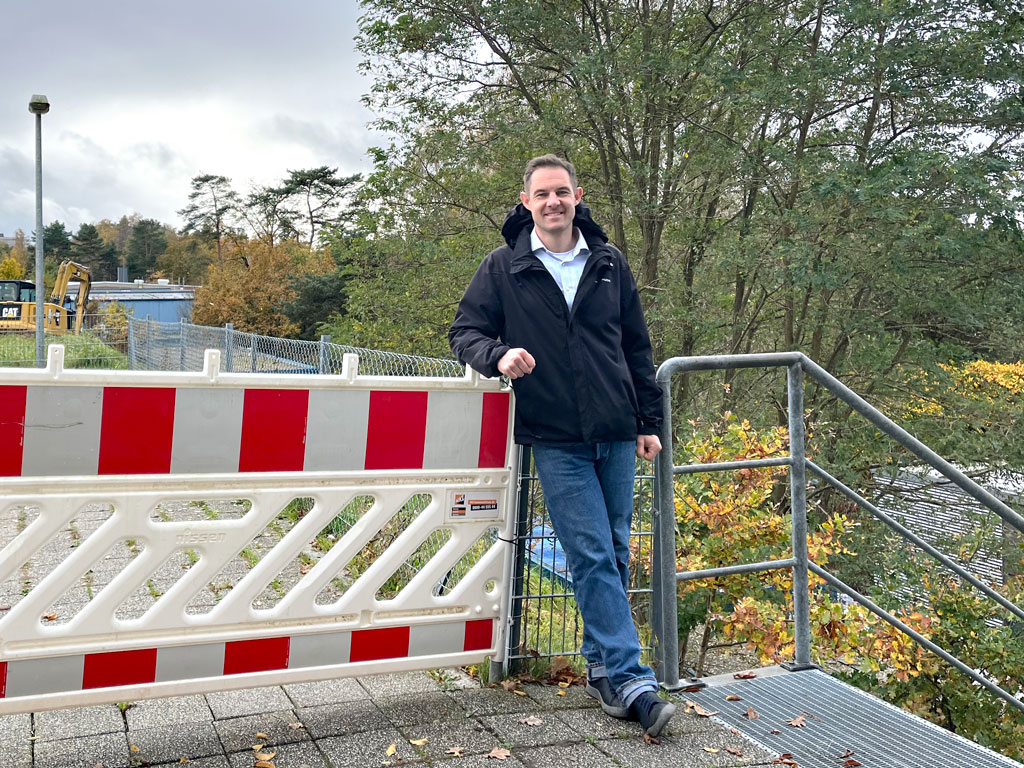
(38, 105)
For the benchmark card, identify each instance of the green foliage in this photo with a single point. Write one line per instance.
(147, 243)
(88, 248)
(84, 350)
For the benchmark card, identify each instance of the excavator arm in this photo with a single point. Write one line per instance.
(68, 271)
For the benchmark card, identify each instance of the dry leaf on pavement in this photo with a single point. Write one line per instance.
(751, 714)
(734, 751)
(648, 739)
(712, 750)
(456, 751)
(296, 726)
(733, 698)
(846, 753)
(263, 764)
(419, 742)
(499, 753)
(851, 763)
(262, 735)
(517, 692)
(531, 720)
(744, 675)
(393, 749)
(134, 748)
(774, 731)
(509, 685)
(797, 722)
(699, 710)
(265, 755)
(560, 693)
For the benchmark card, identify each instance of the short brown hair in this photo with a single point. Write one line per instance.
(548, 161)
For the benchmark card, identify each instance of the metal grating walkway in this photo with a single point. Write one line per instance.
(839, 718)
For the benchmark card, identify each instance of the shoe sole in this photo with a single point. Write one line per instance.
(609, 709)
(663, 717)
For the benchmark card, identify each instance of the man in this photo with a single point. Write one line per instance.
(557, 311)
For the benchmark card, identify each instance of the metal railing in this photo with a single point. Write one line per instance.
(666, 578)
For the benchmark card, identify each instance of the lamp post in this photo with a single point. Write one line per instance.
(38, 105)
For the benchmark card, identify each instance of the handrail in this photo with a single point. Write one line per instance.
(664, 577)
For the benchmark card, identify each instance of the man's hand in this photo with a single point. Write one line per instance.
(647, 447)
(516, 362)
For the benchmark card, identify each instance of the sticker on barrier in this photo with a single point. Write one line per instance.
(173, 533)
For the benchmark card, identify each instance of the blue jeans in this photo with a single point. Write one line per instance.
(589, 492)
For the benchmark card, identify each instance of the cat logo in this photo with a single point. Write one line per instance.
(10, 313)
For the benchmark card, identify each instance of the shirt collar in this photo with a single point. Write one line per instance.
(580, 247)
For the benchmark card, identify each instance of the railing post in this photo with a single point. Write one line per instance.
(252, 352)
(131, 342)
(321, 363)
(229, 347)
(798, 505)
(149, 342)
(664, 623)
(519, 563)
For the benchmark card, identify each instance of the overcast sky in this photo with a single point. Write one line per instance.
(146, 95)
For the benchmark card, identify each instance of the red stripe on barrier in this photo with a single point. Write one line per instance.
(396, 431)
(3, 679)
(12, 428)
(243, 656)
(273, 430)
(478, 635)
(136, 430)
(494, 429)
(105, 670)
(371, 644)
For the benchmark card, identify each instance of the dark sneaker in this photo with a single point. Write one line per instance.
(652, 712)
(601, 690)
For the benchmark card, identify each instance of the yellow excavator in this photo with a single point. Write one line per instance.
(18, 302)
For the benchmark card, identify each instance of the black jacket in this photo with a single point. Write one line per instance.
(594, 379)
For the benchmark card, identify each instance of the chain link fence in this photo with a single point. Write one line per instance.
(149, 345)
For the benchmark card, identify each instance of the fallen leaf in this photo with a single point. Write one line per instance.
(183, 760)
(419, 742)
(734, 751)
(261, 735)
(392, 750)
(701, 712)
(744, 675)
(134, 748)
(564, 684)
(733, 698)
(775, 731)
(560, 693)
(50, 616)
(304, 568)
(851, 763)
(784, 761)
(797, 722)
(531, 720)
(846, 753)
(98, 765)
(519, 693)
(734, 732)
(499, 753)
(263, 764)
(265, 755)
(648, 739)
(258, 746)
(751, 714)
(296, 726)
(712, 750)
(692, 688)
(509, 685)
(456, 751)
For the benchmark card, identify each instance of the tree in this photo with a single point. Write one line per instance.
(11, 268)
(186, 259)
(147, 242)
(88, 248)
(211, 203)
(316, 297)
(266, 211)
(320, 193)
(56, 242)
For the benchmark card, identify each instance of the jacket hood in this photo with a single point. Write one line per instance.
(520, 220)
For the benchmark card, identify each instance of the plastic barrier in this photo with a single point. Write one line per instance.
(172, 533)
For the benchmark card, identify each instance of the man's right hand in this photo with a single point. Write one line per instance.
(516, 362)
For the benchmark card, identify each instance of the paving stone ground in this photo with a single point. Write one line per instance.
(416, 719)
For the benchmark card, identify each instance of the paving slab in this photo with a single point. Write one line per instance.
(110, 749)
(342, 719)
(685, 751)
(171, 743)
(326, 692)
(238, 734)
(512, 731)
(151, 713)
(399, 684)
(470, 734)
(553, 697)
(421, 708)
(303, 755)
(251, 701)
(218, 761)
(493, 701)
(594, 724)
(368, 749)
(481, 761)
(81, 721)
(577, 755)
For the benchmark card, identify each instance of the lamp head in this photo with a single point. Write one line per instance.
(38, 104)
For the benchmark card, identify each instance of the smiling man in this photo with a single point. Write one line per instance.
(557, 311)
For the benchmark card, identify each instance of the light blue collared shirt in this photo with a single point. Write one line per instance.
(566, 268)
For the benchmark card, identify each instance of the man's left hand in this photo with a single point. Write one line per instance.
(647, 447)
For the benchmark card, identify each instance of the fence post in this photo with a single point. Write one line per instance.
(149, 342)
(252, 351)
(181, 344)
(798, 504)
(519, 564)
(229, 347)
(131, 342)
(664, 608)
(322, 362)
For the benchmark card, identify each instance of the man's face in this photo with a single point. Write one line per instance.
(552, 201)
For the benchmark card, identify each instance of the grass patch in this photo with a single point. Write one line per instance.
(83, 350)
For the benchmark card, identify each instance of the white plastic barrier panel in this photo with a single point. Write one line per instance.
(173, 533)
